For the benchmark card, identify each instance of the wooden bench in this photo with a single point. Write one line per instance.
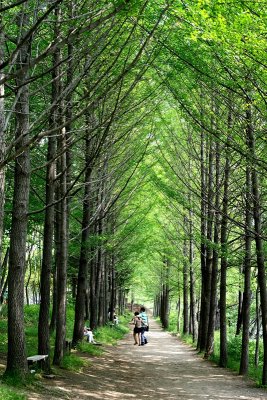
(37, 358)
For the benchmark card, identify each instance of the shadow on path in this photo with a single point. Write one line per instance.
(163, 369)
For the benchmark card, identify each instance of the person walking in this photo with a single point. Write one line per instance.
(145, 325)
(137, 321)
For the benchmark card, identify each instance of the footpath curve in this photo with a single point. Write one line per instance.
(163, 369)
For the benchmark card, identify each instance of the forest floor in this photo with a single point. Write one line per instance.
(165, 368)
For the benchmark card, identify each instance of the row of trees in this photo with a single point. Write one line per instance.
(220, 143)
(70, 81)
(135, 154)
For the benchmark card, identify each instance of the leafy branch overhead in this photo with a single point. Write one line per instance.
(133, 169)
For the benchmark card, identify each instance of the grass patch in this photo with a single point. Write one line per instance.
(72, 362)
(109, 335)
(90, 349)
(188, 339)
(13, 385)
(9, 394)
(234, 355)
(234, 350)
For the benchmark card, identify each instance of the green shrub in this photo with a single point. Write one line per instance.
(187, 338)
(173, 322)
(31, 314)
(234, 347)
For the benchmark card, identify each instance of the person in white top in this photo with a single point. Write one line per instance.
(89, 334)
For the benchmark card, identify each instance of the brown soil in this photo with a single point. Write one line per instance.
(163, 369)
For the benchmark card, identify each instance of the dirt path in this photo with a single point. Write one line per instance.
(163, 369)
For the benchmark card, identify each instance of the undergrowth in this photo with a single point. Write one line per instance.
(73, 362)
(105, 336)
(8, 394)
(234, 349)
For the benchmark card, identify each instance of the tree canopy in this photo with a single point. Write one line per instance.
(133, 167)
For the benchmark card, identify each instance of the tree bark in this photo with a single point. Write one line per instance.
(203, 248)
(244, 359)
(224, 252)
(47, 259)
(257, 338)
(257, 213)
(2, 140)
(193, 312)
(206, 278)
(61, 259)
(62, 226)
(16, 357)
(82, 282)
(215, 260)
(185, 285)
(239, 312)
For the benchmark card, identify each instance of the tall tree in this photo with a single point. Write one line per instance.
(16, 357)
(2, 138)
(244, 360)
(257, 213)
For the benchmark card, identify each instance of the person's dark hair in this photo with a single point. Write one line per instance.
(136, 313)
(142, 309)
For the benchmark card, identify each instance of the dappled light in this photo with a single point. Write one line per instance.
(164, 369)
(133, 180)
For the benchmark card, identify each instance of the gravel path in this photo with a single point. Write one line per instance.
(163, 369)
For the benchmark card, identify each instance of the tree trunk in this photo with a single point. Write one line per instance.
(185, 286)
(113, 288)
(165, 295)
(16, 357)
(3, 284)
(257, 213)
(193, 312)
(61, 260)
(165, 306)
(47, 259)
(244, 360)
(52, 325)
(61, 263)
(83, 263)
(93, 278)
(206, 292)
(62, 229)
(203, 249)
(215, 259)
(239, 312)
(257, 339)
(2, 141)
(224, 252)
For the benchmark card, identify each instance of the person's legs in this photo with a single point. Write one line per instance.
(143, 336)
(139, 338)
(135, 336)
